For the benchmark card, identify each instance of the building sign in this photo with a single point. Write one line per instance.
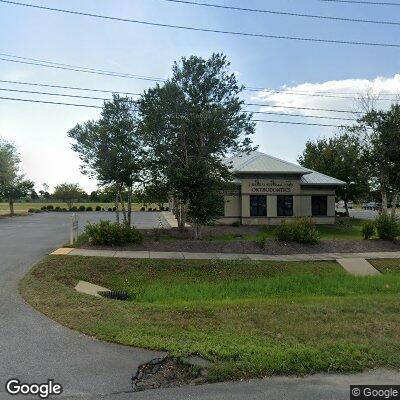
(271, 186)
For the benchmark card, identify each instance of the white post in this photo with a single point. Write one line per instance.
(73, 235)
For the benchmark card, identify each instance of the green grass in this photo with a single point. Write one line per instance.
(22, 208)
(250, 319)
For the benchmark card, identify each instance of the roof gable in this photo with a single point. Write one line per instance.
(257, 162)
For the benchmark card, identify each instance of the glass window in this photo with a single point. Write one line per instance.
(319, 205)
(285, 206)
(258, 206)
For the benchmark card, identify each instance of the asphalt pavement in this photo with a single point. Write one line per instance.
(34, 348)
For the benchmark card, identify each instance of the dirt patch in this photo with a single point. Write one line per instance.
(272, 247)
(165, 372)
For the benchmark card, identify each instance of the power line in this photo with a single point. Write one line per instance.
(54, 94)
(295, 123)
(207, 30)
(93, 106)
(49, 102)
(48, 64)
(367, 3)
(138, 94)
(69, 67)
(68, 87)
(304, 108)
(107, 99)
(285, 13)
(300, 115)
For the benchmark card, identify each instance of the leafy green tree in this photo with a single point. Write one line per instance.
(189, 124)
(380, 131)
(12, 183)
(69, 193)
(341, 157)
(111, 149)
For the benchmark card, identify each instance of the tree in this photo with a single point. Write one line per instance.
(111, 149)
(12, 183)
(380, 131)
(68, 193)
(341, 157)
(189, 124)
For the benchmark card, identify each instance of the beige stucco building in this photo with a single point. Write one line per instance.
(268, 190)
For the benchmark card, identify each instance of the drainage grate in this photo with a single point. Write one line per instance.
(115, 294)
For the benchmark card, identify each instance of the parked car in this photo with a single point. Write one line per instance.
(372, 205)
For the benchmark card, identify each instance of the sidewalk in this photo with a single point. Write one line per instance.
(222, 256)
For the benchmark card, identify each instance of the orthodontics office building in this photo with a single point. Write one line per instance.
(268, 190)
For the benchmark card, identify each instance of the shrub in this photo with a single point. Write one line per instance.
(142, 209)
(43, 208)
(98, 208)
(368, 229)
(109, 209)
(149, 209)
(64, 209)
(387, 227)
(58, 208)
(32, 210)
(89, 208)
(300, 230)
(50, 207)
(73, 208)
(81, 208)
(236, 224)
(166, 208)
(114, 234)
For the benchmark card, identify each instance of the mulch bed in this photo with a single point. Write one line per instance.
(251, 247)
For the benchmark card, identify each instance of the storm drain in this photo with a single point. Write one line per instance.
(115, 294)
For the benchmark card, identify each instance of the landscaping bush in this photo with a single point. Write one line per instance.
(387, 227)
(113, 234)
(50, 207)
(98, 208)
(81, 208)
(109, 209)
(300, 230)
(64, 210)
(143, 209)
(73, 208)
(33, 210)
(89, 208)
(58, 208)
(43, 208)
(368, 229)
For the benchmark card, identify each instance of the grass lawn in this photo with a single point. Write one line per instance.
(349, 229)
(22, 208)
(250, 319)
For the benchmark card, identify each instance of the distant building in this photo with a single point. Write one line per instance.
(268, 190)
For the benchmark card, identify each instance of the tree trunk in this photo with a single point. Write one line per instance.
(384, 202)
(182, 217)
(117, 207)
(346, 206)
(197, 232)
(123, 208)
(130, 206)
(394, 204)
(11, 205)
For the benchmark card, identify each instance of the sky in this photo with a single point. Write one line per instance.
(293, 67)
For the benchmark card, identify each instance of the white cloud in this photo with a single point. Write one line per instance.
(337, 94)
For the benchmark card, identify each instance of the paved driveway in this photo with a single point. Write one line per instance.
(33, 348)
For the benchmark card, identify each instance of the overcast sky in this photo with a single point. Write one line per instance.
(40, 130)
